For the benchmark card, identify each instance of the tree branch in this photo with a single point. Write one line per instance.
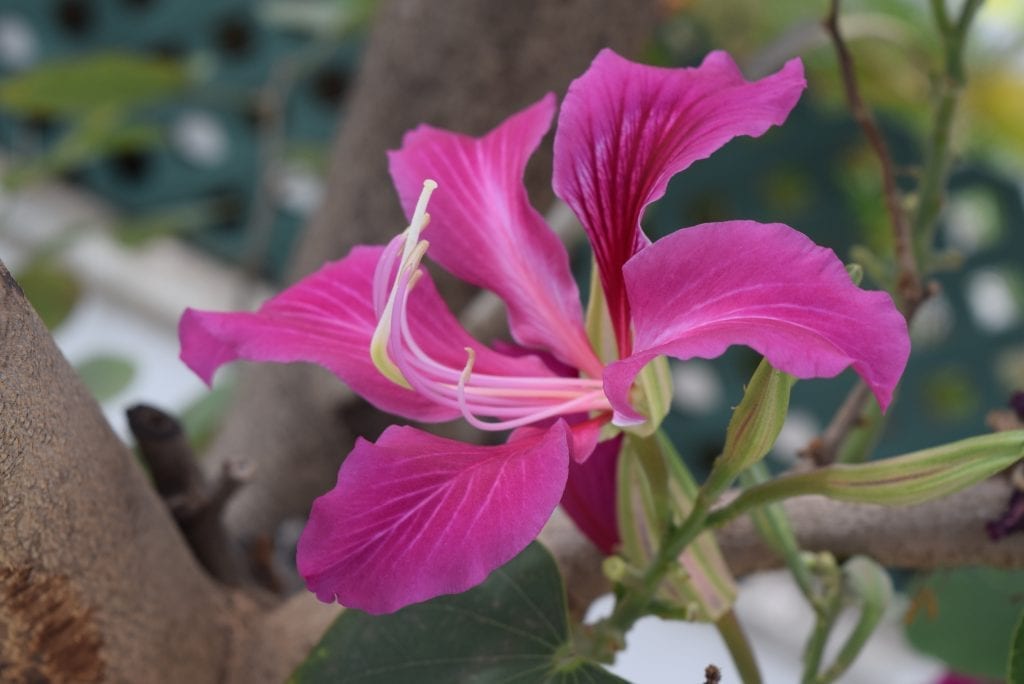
(196, 503)
(939, 534)
(82, 532)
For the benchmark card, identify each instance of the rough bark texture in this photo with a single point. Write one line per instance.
(946, 533)
(459, 64)
(96, 584)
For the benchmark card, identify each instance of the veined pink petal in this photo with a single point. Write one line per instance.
(415, 516)
(328, 318)
(625, 129)
(585, 432)
(483, 229)
(699, 290)
(589, 497)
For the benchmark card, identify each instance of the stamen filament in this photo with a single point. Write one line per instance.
(518, 401)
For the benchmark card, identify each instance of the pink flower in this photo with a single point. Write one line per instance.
(413, 515)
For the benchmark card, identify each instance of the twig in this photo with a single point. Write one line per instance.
(823, 450)
(909, 284)
(937, 158)
(195, 503)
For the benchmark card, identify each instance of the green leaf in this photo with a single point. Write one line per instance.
(1015, 672)
(106, 375)
(52, 290)
(511, 628)
(97, 132)
(971, 615)
(78, 84)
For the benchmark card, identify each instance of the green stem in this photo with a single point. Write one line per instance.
(778, 489)
(774, 527)
(635, 602)
(865, 627)
(829, 611)
(937, 157)
(739, 648)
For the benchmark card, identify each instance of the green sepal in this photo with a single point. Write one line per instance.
(654, 491)
(655, 397)
(598, 323)
(652, 393)
(754, 426)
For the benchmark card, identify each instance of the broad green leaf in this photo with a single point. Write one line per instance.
(106, 375)
(511, 628)
(971, 617)
(52, 290)
(78, 84)
(1015, 671)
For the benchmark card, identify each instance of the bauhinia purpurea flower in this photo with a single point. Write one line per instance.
(414, 515)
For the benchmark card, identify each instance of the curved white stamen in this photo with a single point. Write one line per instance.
(382, 333)
(518, 401)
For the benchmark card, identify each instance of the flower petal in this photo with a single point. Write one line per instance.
(415, 516)
(699, 290)
(484, 230)
(625, 129)
(589, 497)
(328, 318)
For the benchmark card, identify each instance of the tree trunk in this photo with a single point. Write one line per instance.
(96, 584)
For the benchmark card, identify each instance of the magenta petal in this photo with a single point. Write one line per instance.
(699, 290)
(589, 497)
(625, 129)
(415, 516)
(484, 230)
(328, 319)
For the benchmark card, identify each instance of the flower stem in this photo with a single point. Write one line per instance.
(636, 599)
(774, 527)
(828, 611)
(635, 602)
(739, 648)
